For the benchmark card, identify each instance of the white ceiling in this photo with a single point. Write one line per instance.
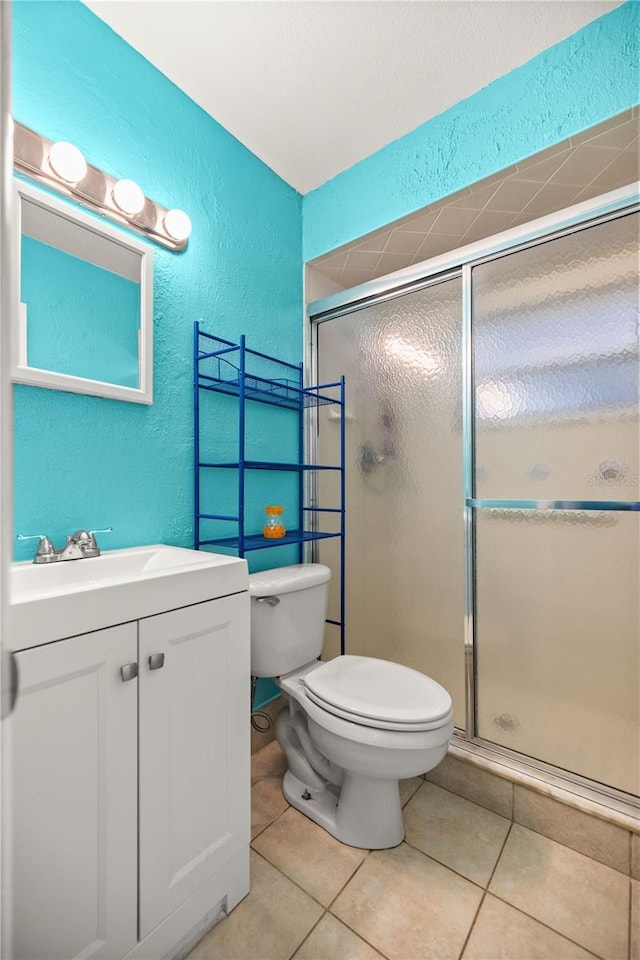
(313, 86)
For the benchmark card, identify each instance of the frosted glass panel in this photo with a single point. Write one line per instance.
(557, 636)
(404, 539)
(556, 368)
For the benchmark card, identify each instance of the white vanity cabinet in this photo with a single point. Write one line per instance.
(130, 814)
(194, 809)
(74, 799)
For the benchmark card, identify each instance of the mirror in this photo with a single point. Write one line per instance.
(85, 317)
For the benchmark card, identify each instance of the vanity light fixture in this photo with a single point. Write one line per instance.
(67, 162)
(128, 197)
(61, 166)
(177, 224)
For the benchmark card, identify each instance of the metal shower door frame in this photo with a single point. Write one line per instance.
(459, 263)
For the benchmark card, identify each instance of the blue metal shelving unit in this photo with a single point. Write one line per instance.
(221, 366)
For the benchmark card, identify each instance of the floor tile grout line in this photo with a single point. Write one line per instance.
(559, 933)
(624, 873)
(358, 934)
(294, 882)
(280, 870)
(325, 909)
(462, 797)
(524, 912)
(447, 866)
(306, 937)
(341, 919)
(346, 884)
(271, 822)
(580, 853)
(484, 893)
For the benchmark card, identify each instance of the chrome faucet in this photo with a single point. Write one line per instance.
(79, 546)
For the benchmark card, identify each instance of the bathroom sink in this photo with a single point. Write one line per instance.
(52, 601)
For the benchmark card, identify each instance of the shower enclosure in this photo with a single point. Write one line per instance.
(493, 535)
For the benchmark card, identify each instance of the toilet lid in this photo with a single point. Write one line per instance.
(378, 693)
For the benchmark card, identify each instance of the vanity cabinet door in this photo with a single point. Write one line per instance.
(194, 749)
(73, 757)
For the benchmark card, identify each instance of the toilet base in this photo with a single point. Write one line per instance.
(364, 812)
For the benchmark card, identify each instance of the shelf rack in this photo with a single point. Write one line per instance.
(221, 366)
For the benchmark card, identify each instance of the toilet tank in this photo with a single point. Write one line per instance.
(290, 633)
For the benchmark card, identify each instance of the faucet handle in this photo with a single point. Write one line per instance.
(91, 548)
(46, 549)
(82, 536)
(78, 537)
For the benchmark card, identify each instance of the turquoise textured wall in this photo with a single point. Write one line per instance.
(586, 78)
(88, 462)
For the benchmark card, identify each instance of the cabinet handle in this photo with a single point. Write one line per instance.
(156, 661)
(129, 672)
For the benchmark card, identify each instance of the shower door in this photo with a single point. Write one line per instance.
(404, 535)
(557, 628)
(493, 532)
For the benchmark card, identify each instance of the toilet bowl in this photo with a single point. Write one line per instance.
(353, 726)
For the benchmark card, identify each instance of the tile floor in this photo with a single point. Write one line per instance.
(466, 883)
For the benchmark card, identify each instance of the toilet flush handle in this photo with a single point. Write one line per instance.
(272, 601)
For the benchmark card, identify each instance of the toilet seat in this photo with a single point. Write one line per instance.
(378, 694)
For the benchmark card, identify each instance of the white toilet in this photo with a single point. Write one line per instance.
(354, 726)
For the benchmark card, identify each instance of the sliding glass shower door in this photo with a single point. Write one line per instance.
(404, 538)
(557, 628)
(544, 439)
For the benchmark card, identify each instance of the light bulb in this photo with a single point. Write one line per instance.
(128, 197)
(177, 224)
(67, 162)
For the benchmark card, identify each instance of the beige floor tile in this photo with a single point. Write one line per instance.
(309, 855)
(331, 940)
(462, 835)
(589, 835)
(474, 783)
(267, 803)
(408, 788)
(408, 906)
(635, 920)
(580, 898)
(268, 762)
(268, 925)
(503, 933)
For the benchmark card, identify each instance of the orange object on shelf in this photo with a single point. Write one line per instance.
(274, 532)
(274, 528)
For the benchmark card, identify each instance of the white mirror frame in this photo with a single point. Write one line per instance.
(21, 372)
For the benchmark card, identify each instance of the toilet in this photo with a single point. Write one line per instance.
(353, 726)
